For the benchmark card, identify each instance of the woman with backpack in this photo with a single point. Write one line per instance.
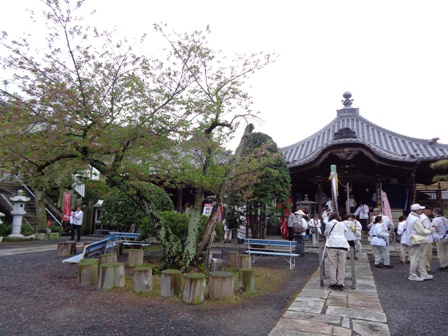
(299, 230)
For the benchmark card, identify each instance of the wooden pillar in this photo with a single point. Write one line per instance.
(135, 257)
(170, 283)
(220, 285)
(233, 259)
(244, 261)
(142, 279)
(108, 258)
(319, 197)
(246, 280)
(379, 203)
(88, 272)
(66, 248)
(194, 288)
(111, 275)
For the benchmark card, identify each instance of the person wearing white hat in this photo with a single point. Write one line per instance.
(415, 230)
(299, 232)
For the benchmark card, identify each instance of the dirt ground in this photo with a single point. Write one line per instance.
(39, 295)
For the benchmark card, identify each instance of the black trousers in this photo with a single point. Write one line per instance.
(78, 232)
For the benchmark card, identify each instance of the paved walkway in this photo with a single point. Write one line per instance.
(321, 311)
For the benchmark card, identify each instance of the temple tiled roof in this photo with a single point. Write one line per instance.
(349, 128)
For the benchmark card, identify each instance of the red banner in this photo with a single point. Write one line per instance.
(67, 207)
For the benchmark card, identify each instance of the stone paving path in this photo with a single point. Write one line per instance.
(321, 311)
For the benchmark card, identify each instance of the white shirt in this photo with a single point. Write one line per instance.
(362, 212)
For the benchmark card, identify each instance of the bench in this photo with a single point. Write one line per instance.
(268, 247)
(131, 240)
(93, 249)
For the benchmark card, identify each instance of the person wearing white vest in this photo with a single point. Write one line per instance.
(417, 269)
(363, 214)
(380, 243)
(427, 247)
(336, 247)
(404, 249)
(441, 237)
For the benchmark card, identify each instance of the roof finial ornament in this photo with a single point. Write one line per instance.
(347, 102)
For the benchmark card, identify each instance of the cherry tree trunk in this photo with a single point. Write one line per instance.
(233, 259)
(108, 258)
(170, 282)
(220, 285)
(88, 272)
(66, 248)
(111, 275)
(142, 279)
(246, 280)
(135, 257)
(194, 288)
(244, 261)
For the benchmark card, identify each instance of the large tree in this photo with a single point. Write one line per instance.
(270, 184)
(89, 99)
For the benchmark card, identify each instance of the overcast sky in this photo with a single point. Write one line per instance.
(391, 55)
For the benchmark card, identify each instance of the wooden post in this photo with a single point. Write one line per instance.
(66, 248)
(352, 266)
(108, 258)
(111, 275)
(135, 257)
(88, 272)
(194, 288)
(142, 279)
(233, 259)
(120, 247)
(244, 261)
(220, 285)
(170, 282)
(246, 280)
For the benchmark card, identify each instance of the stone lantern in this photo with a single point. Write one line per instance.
(17, 213)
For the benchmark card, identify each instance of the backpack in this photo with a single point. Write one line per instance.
(297, 227)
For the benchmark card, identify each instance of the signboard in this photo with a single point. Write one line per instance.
(67, 207)
(207, 209)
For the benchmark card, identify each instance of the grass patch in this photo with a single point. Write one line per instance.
(267, 281)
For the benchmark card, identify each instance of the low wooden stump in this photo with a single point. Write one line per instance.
(233, 259)
(88, 272)
(142, 279)
(111, 275)
(108, 258)
(120, 247)
(220, 285)
(194, 288)
(66, 248)
(246, 280)
(244, 261)
(135, 257)
(170, 283)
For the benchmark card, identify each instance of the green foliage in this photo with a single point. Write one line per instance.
(5, 229)
(121, 211)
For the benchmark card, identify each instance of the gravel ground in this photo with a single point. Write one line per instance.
(39, 296)
(413, 308)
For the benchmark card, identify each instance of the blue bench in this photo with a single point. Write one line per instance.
(130, 239)
(93, 249)
(268, 247)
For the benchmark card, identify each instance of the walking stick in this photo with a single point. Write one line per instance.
(395, 246)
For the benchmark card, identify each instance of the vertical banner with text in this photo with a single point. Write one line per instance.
(67, 207)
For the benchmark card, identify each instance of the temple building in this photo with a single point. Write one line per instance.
(370, 162)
